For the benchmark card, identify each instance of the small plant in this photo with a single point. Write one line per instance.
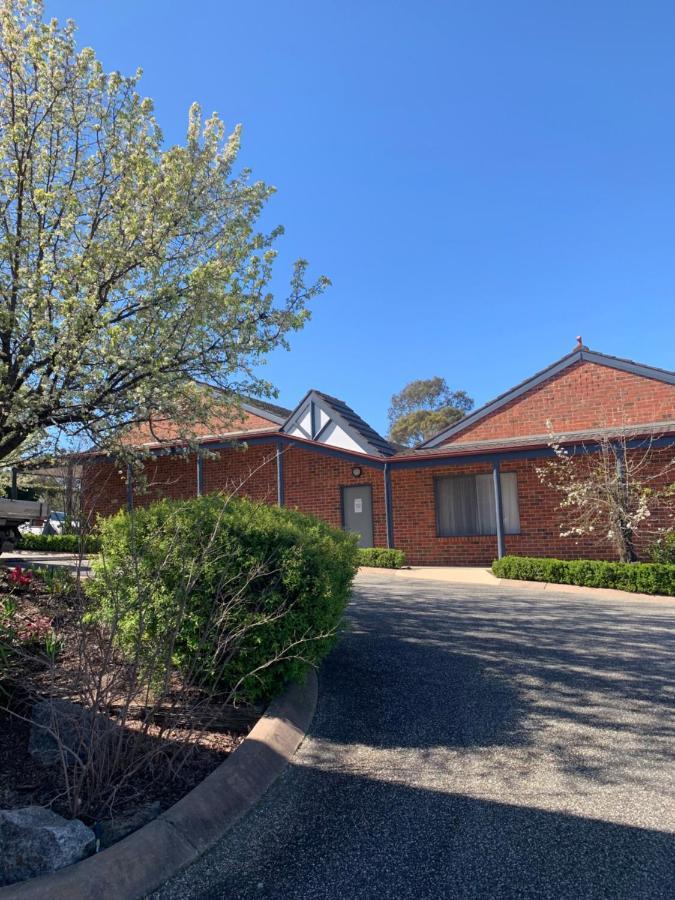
(663, 549)
(57, 580)
(20, 579)
(381, 557)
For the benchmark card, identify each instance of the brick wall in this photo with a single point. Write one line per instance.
(314, 485)
(314, 482)
(586, 395)
(541, 519)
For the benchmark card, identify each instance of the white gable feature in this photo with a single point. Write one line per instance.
(329, 421)
(305, 422)
(335, 436)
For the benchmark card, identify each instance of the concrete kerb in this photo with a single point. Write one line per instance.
(150, 856)
(598, 593)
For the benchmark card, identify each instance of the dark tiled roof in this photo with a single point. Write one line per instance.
(266, 406)
(359, 425)
(648, 430)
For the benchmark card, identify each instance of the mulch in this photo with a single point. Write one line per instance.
(23, 782)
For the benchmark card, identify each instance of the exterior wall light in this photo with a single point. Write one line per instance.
(356, 471)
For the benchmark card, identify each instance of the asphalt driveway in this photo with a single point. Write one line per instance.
(473, 742)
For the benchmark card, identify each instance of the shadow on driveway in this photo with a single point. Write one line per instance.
(472, 742)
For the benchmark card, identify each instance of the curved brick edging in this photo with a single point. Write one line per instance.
(142, 862)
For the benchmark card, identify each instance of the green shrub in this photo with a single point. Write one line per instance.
(643, 578)
(58, 543)
(663, 550)
(381, 557)
(229, 585)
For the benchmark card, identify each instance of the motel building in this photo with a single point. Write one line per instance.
(467, 495)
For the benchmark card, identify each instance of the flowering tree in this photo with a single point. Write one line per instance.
(612, 493)
(128, 272)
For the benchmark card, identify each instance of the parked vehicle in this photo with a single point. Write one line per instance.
(13, 514)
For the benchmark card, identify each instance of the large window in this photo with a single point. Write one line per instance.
(465, 505)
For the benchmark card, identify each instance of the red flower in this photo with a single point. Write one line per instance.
(19, 577)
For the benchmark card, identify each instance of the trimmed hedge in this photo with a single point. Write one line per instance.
(58, 543)
(381, 557)
(278, 577)
(643, 578)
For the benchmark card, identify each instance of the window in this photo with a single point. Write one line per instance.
(465, 505)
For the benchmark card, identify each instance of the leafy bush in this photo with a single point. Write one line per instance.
(244, 596)
(663, 550)
(59, 543)
(644, 578)
(381, 557)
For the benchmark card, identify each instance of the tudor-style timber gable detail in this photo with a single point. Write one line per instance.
(327, 420)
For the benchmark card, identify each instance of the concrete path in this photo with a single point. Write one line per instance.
(473, 742)
(452, 574)
(36, 559)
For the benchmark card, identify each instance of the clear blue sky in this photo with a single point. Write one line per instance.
(482, 181)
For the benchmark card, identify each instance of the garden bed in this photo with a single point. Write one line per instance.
(43, 601)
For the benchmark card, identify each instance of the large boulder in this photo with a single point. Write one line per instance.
(36, 841)
(70, 722)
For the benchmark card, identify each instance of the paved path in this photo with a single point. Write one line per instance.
(473, 742)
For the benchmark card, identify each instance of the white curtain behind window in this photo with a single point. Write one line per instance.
(466, 504)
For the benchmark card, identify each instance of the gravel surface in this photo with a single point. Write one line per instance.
(473, 742)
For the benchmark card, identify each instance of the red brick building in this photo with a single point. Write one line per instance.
(464, 496)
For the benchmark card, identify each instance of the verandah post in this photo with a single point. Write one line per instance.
(499, 509)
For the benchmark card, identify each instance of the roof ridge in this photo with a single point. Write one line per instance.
(579, 354)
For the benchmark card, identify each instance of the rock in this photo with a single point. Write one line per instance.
(71, 722)
(36, 841)
(112, 830)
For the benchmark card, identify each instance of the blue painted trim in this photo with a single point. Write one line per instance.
(499, 509)
(322, 449)
(534, 453)
(281, 484)
(130, 488)
(388, 506)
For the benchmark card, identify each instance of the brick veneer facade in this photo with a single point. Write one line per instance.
(583, 396)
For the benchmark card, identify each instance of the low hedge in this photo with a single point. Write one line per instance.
(381, 557)
(228, 585)
(643, 578)
(58, 543)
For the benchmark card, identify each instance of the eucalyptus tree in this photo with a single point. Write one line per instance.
(423, 408)
(129, 271)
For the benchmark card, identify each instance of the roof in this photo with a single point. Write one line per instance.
(582, 354)
(254, 404)
(359, 425)
(591, 435)
(342, 414)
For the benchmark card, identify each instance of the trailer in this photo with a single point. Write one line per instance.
(14, 513)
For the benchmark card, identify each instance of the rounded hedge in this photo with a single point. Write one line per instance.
(275, 577)
(646, 578)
